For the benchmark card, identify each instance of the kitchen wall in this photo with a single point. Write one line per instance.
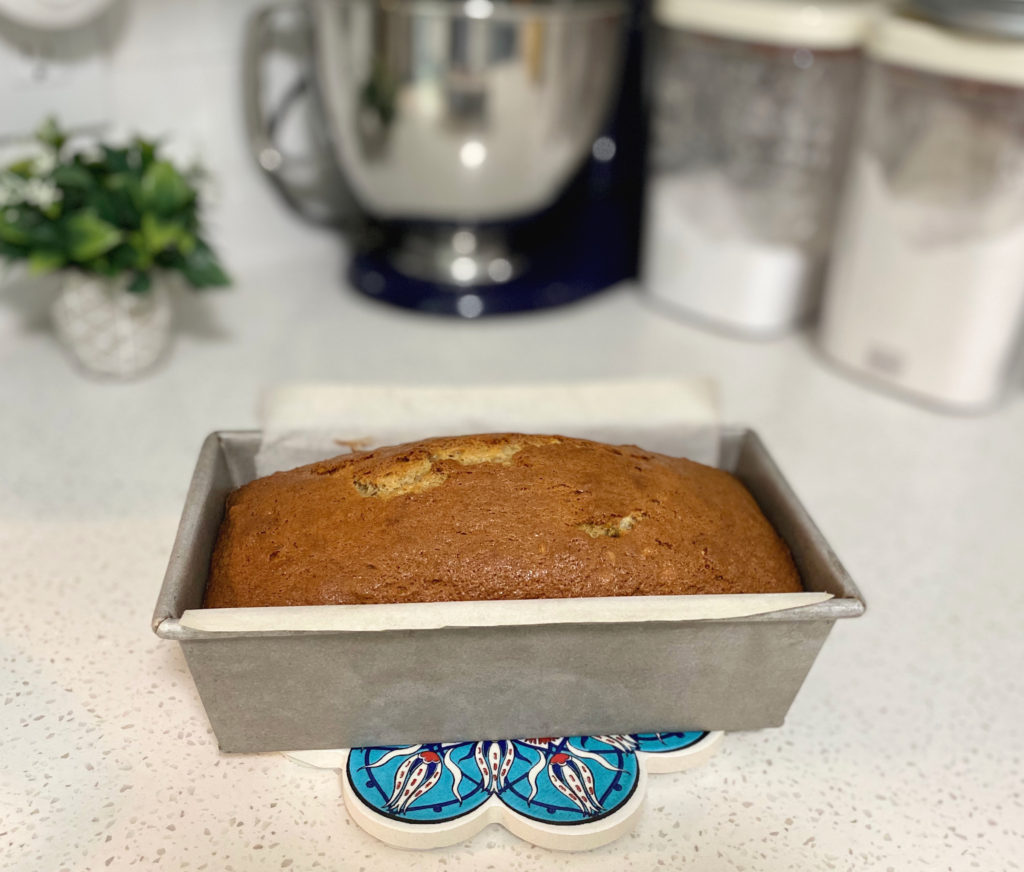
(169, 68)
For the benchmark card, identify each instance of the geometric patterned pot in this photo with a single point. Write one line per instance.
(108, 330)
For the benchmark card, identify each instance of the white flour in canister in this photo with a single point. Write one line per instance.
(922, 297)
(701, 257)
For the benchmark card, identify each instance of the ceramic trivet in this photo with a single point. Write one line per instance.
(568, 793)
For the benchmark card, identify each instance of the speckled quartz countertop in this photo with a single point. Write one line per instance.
(903, 751)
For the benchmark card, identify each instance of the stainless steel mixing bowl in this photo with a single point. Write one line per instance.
(464, 112)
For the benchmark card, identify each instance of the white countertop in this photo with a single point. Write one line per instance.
(903, 750)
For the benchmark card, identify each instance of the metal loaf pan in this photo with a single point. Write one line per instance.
(507, 676)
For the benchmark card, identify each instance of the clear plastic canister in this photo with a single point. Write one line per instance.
(752, 109)
(926, 286)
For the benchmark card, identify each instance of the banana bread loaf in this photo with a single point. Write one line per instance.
(498, 516)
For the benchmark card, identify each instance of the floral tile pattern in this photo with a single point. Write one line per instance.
(549, 790)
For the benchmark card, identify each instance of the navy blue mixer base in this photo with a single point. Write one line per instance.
(544, 286)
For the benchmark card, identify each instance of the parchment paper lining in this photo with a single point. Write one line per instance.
(432, 616)
(305, 423)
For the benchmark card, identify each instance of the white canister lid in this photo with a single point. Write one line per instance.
(53, 14)
(825, 24)
(994, 17)
(913, 42)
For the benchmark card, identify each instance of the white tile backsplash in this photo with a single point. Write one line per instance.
(172, 69)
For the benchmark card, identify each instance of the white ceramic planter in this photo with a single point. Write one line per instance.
(110, 331)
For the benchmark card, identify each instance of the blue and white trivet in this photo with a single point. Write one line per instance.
(569, 793)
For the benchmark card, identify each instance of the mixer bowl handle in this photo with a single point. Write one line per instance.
(320, 203)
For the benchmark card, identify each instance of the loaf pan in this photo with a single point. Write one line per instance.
(407, 673)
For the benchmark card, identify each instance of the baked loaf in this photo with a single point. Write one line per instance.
(500, 516)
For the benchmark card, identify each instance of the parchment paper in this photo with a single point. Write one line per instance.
(307, 422)
(497, 613)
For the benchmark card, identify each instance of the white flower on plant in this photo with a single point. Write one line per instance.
(86, 147)
(18, 150)
(41, 193)
(35, 192)
(44, 163)
(12, 189)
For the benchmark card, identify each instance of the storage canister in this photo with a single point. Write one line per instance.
(926, 289)
(752, 107)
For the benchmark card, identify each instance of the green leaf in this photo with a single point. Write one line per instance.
(23, 169)
(12, 252)
(124, 258)
(42, 261)
(27, 226)
(45, 233)
(73, 176)
(89, 236)
(116, 201)
(164, 190)
(202, 270)
(115, 160)
(100, 265)
(146, 150)
(13, 227)
(137, 243)
(140, 284)
(187, 244)
(50, 134)
(159, 234)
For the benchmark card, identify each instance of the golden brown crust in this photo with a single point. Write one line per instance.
(497, 516)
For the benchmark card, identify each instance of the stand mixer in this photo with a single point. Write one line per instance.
(492, 150)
